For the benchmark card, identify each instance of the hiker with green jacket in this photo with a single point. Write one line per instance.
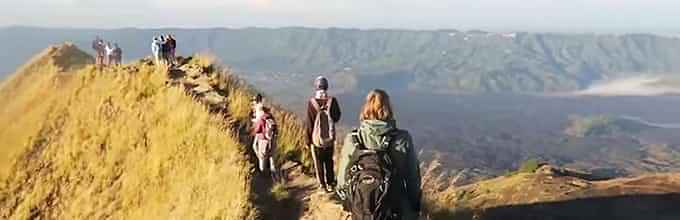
(375, 156)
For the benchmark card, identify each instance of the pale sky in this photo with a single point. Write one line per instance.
(530, 15)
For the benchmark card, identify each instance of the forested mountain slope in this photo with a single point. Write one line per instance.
(434, 61)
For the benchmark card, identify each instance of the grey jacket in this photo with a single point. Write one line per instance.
(402, 153)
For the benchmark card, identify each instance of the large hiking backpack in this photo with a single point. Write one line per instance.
(369, 177)
(271, 129)
(323, 132)
(266, 141)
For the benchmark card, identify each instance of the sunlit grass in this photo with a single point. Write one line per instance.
(116, 144)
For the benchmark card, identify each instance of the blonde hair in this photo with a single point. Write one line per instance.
(377, 107)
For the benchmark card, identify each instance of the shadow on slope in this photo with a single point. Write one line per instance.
(547, 193)
(625, 207)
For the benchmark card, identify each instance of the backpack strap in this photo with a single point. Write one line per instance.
(318, 107)
(387, 139)
(314, 103)
(356, 140)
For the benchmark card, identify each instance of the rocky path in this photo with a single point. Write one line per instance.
(304, 200)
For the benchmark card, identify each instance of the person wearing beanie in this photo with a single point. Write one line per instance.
(323, 112)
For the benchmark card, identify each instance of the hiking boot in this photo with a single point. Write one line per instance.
(330, 189)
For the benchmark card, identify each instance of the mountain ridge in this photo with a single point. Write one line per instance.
(446, 61)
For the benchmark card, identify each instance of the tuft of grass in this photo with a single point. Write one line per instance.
(438, 191)
(279, 192)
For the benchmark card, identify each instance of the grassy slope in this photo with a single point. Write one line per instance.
(83, 144)
(538, 195)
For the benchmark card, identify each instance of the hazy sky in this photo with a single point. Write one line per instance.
(548, 15)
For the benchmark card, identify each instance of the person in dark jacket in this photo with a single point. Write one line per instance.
(322, 155)
(377, 121)
(164, 50)
(118, 54)
(98, 47)
(172, 46)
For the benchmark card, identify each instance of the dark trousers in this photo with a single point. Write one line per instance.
(323, 163)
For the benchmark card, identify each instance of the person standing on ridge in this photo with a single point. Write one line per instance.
(110, 56)
(380, 152)
(172, 45)
(98, 47)
(156, 49)
(118, 54)
(163, 49)
(95, 47)
(323, 111)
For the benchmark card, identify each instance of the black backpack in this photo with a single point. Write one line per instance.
(369, 177)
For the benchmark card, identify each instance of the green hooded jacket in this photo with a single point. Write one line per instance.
(402, 153)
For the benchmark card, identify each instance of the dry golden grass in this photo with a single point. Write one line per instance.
(25, 96)
(438, 191)
(115, 144)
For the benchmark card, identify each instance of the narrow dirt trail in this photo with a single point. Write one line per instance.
(317, 204)
(304, 200)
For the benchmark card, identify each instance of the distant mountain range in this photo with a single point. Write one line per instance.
(443, 61)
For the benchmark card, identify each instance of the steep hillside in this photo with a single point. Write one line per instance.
(124, 143)
(26, 95)
(554, 193)
(446, 61)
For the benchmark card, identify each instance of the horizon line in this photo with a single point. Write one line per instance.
(462, 30)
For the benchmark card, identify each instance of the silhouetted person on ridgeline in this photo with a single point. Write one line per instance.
(117, 54)
(109, 54)
(100, 53)
(172, 46)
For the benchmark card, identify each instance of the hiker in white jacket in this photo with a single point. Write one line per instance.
(109, 54)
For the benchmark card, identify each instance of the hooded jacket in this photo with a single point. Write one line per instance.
(402, 153)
